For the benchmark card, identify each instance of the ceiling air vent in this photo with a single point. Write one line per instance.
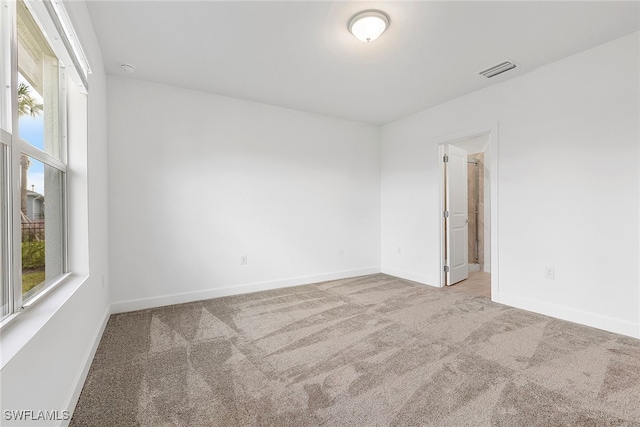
(497, 69)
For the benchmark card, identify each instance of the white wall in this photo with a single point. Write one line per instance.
(197, 180)
(568, 183)
(46, 353)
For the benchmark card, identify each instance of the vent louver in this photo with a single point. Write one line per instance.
(498, 69)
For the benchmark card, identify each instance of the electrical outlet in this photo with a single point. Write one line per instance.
(399, 250)
(549, 273)
(243, 260)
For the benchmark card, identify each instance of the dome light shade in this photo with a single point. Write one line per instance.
(368, 24)
(127, 68)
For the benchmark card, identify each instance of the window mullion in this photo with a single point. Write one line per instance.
(14, 217)
(62, 97)
(62, 115)
(8, 55)
(5, 226)
(14, 244)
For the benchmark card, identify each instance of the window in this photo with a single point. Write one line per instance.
(39, 62)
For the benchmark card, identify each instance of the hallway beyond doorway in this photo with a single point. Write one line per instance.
(478, 284)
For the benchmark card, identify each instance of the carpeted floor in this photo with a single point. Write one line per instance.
(368, 351)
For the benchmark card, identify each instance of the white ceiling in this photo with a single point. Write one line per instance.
(299, 54)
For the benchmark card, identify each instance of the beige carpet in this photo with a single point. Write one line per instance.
(369, 351)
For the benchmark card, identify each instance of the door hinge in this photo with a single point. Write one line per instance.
(445, 158)
(446, 268)
(445, 214)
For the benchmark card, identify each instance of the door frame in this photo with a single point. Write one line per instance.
(492, 151)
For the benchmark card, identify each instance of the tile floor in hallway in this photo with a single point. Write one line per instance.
(478, 284)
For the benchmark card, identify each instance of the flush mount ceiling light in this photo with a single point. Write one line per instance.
(368, 24)
(128, 68)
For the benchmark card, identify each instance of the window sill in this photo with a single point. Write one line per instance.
(46, 291)
(19, 328)
(32, 301)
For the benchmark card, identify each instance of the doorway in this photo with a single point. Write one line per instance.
(475, 210)
(467, 241)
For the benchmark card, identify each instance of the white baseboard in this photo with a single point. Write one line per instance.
(179, 298)
(408, 275)
(473, 268)
(487, 268)
(73, 397)
(606, 323)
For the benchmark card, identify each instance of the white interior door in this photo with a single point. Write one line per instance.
(456, 219)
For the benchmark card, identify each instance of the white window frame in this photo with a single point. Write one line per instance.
(55, 25)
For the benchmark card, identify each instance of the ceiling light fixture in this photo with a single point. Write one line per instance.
(128, 68)
(368, 24)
